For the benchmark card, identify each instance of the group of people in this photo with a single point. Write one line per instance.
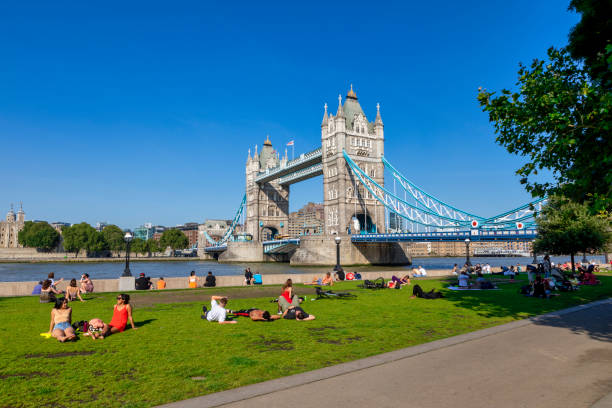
(250, 278)
(48, 292)
(289, 307)
(61, 328)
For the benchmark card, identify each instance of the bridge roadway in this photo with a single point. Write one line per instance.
(281, 246)
(309, 162)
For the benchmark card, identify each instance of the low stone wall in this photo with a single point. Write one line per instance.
(112, 285)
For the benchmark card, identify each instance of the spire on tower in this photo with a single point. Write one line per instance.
(256, 154)
(351, 93)
(378, 119)
(324, 122)
(339, 112)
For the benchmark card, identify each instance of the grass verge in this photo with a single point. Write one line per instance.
(175, 355)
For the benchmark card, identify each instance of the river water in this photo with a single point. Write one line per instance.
(12, 272)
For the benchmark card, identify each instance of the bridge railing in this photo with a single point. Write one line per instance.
(473, 235)
(304, 157)
(317, 168)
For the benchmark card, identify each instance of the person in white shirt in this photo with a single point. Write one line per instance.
(486, 269)
(217, 312)
(420, 273)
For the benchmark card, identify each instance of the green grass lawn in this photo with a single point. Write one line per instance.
(175, 355)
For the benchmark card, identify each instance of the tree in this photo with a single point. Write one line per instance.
(39, 235)
(152, 247)
(139, 246)
(560, 120)
(591, 39)
(566, 227)
(113, 235)
(83, 236)
(174, 239)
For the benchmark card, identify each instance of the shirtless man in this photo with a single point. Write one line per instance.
(256, 315)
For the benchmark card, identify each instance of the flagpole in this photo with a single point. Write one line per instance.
(293, 151)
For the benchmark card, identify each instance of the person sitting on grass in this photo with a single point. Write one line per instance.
(48, 292)
(288, 297)
(122, 312)
(256, 315)
(37, 288)
(161, 283)
(54, 282)
(417, 292)
(72, 292)
(60, 326)
(96, 329)
(211, 280)
(327, 280)
(297, 313)
(588, 277)
(464, 280)
(217, 312)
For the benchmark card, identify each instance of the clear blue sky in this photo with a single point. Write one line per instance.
(131, 112)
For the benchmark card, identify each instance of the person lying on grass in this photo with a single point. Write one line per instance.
(297, 313)
(256, 315)
(217, 312)
(122, 312)
(60, 326)
(96, 328)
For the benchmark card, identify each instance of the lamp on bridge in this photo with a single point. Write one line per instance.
(128, 240)
(467, 252)
(337, 267)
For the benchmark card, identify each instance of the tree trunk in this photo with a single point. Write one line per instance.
(572, 258)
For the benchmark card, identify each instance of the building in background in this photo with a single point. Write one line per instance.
(10, 227)
(144, 232)
(58, 225)
(308, 220)
(190, 229)
(215, 229)
(100, 225)
(158, 230)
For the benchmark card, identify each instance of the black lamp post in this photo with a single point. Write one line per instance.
(128, 240)
(337, 267)
(467, 252)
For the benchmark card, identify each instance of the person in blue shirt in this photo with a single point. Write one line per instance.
(257, 279)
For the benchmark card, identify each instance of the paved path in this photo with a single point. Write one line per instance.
(559, 360)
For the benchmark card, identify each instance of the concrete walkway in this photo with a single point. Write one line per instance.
(563, 359)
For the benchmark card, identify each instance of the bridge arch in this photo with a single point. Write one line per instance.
(268, 232)
(361, 222)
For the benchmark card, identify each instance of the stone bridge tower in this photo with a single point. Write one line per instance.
(345, 199)
(267, 204)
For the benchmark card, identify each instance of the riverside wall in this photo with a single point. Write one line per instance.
(112, 285)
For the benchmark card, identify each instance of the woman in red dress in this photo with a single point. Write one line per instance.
(121, 314)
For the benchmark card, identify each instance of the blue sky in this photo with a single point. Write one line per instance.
(133, 112)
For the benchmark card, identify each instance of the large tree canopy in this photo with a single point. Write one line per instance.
(39, 235)
(83, 236)
(174, 239)
(113, 235)
(566, 227)
(591, 39)
(559, 120)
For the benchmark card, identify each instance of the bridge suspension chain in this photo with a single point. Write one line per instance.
(430, 212)
(230, 230)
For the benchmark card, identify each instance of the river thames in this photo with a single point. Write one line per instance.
(13, 272)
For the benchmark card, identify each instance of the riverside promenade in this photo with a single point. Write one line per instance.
(562, 359)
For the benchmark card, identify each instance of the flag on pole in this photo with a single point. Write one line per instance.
(290, 143)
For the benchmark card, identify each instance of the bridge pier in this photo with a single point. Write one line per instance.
(321, 250)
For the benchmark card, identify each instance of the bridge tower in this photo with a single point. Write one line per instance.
(345, 199)
(267, 204)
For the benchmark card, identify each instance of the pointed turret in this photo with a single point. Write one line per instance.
(10, 216)
(340, 112)
(324, 121)
(20, 213)
(378, 119)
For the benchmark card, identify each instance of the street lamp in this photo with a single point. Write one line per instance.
(467, 252)
(337, 267)
(128, 240)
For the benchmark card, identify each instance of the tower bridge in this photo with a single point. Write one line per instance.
(377, 222)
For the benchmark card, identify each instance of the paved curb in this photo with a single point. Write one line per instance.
(605, 402)
(254, 390)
